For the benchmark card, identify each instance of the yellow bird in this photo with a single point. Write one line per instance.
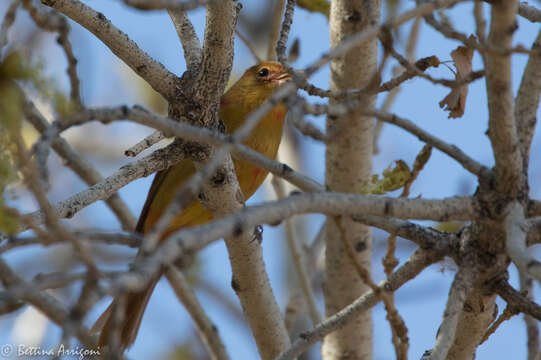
(252, 90)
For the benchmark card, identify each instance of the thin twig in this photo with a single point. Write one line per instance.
(205, 328)
(411, 268)
(9, 19)
(507, 314)
(154, 73)
(158, 160)
(47, 304)
(298, 258)
(144, 144)
(79, 165)
(275, 28)
(532, 326)
(248, 45)
(281, 44)
(131, 240)
(454, 152)
(30, 173)
(52, 21)
(390, 261)
(398, 326)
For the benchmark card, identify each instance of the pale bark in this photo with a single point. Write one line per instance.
(532, 326)
(527, 102)
(491, 234)
(349, 163)
(455, 303)
(222, 195)
(502, 127)
(80, 166)
(516, 231)
(479, 311)
(188, 37)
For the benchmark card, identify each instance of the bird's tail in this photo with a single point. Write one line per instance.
(134, 310)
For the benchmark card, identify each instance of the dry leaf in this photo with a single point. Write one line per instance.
(455, 102)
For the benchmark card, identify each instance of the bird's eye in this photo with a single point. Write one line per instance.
(263, 72)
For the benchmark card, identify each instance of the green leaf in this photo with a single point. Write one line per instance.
(393, 179)
(320, 6)
(14, 67)
(8, 224)
(449, 226)
(18, 67)
(10, 107)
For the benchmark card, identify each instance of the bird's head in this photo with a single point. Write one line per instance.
(262, 79)
(269, 74)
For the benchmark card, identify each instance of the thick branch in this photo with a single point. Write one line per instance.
(516, 230)
(425, 237)
(457, 296)
(348, 164)
(517, 300)
(502, 128)
(185, 5)
(529, 12)
(527, 102)
(188, 38)
(250, 280)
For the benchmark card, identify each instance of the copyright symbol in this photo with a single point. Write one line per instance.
(6, 350)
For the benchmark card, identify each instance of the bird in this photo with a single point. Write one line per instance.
(252, 90)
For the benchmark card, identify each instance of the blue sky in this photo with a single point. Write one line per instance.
(106, 81)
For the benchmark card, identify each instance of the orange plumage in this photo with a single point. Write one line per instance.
(247, 94)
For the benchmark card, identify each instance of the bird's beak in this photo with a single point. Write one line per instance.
(282, 78)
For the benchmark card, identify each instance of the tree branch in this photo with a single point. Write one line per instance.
(158, 160)
(409, 270)
(516, 299)
(154, 73)
(206, 329)
(454, 152)
(81, 167)
(532, 327)
(188, 38)
(502, 127)
(515, 231)
(457, 296)
(47, 305)
(527, 103)
(529, 12)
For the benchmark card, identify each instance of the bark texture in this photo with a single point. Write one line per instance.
(348, 164)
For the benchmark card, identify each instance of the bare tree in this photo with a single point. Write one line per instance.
(483, 233)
